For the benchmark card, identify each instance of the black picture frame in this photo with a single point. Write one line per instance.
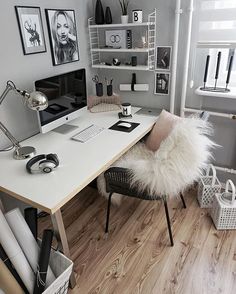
(162, 83)
(62, 33)
(163, 57)
(31, 29)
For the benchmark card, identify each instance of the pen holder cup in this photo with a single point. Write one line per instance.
(109, 90)
(99, 89)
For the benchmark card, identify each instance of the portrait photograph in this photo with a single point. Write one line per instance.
(31, 29)
(163, 57)
(162, 82)
(62, 35)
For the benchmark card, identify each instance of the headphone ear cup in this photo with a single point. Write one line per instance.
(47, 166)
(54, 158)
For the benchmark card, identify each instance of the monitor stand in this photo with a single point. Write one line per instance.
(65, 129)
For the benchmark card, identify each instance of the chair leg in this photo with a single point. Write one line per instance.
(168, 222)
(182, 198)
(108, 212)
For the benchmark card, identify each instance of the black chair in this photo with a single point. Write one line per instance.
(118, 180)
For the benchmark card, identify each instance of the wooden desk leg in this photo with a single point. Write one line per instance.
(60, 233)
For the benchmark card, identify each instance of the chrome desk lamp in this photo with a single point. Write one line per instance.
(35, 101)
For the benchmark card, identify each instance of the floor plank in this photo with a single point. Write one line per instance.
(136, 257)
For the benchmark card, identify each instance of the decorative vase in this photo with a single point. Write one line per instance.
(108, 16)
(124, 19)
(99, 13)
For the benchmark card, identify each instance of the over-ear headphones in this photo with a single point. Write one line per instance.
(47, 162)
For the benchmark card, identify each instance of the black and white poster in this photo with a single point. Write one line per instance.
(63, 35)
(163, 57)
(162, 81)
(31, 29)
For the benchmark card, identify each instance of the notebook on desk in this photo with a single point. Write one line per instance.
(149, 111)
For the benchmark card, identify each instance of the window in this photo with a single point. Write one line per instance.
(217, 31)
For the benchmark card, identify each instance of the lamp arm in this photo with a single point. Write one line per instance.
(15, 143)
(9, 87)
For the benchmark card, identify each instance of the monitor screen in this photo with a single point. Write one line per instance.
(66, 95)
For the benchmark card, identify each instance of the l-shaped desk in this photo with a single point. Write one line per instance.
(80, 163)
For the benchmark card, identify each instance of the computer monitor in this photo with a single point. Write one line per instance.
(66, 95)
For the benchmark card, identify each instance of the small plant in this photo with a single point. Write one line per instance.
(124, 6)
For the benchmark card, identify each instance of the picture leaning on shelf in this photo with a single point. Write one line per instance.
(162, 81)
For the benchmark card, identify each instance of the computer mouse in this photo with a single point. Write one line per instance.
(125, 125)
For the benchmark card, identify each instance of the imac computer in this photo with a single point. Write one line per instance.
(66, 95)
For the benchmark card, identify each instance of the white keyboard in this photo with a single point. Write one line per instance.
(88, 133)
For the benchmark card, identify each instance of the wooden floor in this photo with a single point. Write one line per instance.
(137, 258)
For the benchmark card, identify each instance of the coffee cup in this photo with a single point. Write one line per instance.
(126, 109)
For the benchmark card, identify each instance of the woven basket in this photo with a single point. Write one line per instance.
(104, 103)
(207, 187)
(62, 268)
(223, 212)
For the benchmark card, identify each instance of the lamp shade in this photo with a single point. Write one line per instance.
(37, 101)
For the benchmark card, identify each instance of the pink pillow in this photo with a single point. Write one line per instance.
(161, 130)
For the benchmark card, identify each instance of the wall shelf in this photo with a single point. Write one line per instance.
(136, 50)
(97, 46)
(120, 25)
(125, 67)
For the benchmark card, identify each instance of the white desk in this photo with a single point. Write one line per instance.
(80, 163)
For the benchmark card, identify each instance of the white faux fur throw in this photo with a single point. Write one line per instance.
(178, 162)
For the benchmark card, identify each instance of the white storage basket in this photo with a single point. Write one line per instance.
(207, 187)
(62, 268)
(223, 210)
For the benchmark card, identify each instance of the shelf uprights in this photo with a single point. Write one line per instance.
(94, 42)
(151, 39)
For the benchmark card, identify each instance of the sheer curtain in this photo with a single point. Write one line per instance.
(217, 22)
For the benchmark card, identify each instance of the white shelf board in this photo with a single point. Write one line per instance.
(230, 95)
(119, 25)
(127, 67)
(121, 50)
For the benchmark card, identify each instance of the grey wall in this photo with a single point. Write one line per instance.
(165, 27)
(25, 69)
(225, 134)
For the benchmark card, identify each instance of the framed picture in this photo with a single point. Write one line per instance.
(116, 39)
(62, 35)
(162, 82)
(31, 29)
(163, 57)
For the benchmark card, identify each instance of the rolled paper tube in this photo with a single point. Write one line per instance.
(10, 267)
(43, 262)
(32, 221)
(26, 241)
(15, 254)
(7, 282)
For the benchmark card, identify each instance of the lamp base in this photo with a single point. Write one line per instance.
(24, 152)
